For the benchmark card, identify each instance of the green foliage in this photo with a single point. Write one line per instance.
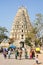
(37, 42)
(30, 37)
(35, 33)
(3, 34)
(27, 41)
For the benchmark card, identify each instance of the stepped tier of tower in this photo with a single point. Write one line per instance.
(21, 25)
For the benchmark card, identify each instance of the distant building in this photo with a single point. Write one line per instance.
(21, 25)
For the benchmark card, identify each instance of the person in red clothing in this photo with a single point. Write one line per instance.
(30, 53)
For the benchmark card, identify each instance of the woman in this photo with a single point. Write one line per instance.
(20, 53)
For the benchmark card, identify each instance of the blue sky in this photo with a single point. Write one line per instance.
(8, 9)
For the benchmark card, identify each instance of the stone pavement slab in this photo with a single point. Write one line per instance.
(13, 61)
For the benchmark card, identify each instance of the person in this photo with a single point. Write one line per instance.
(16, 53)
(4, 53)
(9, 53)
(20, 53)
(30, 53)
(26, 54)
(36, 60)
(7, 50)
(33, 54)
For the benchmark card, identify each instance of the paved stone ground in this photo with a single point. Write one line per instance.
(13, 61)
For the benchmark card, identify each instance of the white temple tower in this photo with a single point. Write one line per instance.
(21, 25)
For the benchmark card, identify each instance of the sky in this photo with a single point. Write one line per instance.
(8, 9)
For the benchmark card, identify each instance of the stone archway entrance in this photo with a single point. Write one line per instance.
(21, 44)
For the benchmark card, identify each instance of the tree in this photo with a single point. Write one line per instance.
(30, 38)
(27, 41)
(39, 24)
(3, 34)
(34, 35)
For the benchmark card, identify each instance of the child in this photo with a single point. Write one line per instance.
(36, 59)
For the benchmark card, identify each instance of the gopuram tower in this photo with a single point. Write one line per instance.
(21, 26)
